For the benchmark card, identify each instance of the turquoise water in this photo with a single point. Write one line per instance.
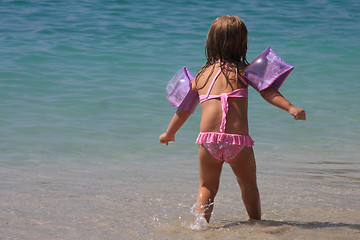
(82, 86)
(83, 79)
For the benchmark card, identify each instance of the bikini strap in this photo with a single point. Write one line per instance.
(239, 76)
(212, 83)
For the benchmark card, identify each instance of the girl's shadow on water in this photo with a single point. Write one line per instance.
(305, 225)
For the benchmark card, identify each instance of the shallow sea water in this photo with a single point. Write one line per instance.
(107, 202)
(82, 105)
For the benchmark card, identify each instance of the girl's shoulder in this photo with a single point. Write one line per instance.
(204, 73)
(207, 71)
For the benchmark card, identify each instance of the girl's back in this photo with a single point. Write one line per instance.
(212, 109)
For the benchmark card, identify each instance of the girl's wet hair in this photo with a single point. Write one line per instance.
(226, 42)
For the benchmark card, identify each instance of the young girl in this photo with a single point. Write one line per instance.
(223, 137)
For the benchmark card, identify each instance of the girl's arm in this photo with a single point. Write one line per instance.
(275, 98)
(176, 122)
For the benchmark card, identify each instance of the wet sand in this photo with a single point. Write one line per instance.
(148, 201)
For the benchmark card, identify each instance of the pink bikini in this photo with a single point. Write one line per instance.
(224, 146)
(268, 69)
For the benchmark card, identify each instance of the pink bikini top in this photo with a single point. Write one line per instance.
(242, 92)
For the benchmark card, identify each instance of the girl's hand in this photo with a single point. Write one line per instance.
(164, 138)
(297, 113)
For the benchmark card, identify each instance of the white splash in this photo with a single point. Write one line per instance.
(200, 223)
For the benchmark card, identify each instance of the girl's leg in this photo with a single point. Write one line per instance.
(244, 168)
(209, 172)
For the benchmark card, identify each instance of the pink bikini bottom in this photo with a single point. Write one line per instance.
(224, 146)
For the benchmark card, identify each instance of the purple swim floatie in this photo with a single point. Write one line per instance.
(268, 69)
(179, 92)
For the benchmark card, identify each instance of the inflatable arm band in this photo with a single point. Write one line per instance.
(268, 69)
(179, 92)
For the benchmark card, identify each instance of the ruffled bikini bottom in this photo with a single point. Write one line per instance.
(224, 146)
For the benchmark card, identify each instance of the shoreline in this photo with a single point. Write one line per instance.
(112, 201)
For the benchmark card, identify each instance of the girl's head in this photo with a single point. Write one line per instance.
(227, 40)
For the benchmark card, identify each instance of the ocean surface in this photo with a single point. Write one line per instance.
(82, 103)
